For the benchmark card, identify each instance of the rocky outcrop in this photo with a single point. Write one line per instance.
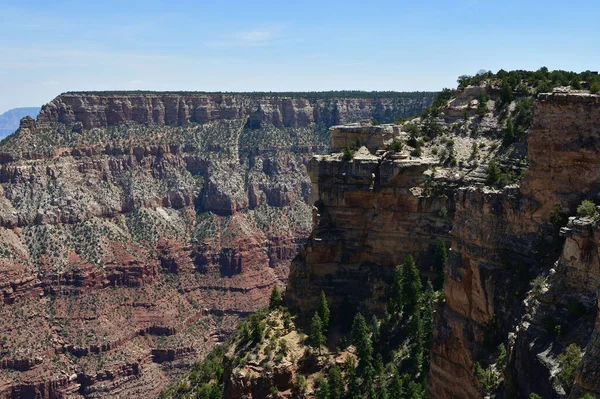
(369, 214)
(99, 110)
(501, 241)
(373, 210)
(135, 229)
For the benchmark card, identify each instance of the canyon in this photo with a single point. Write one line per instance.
(137, 228)
(374, 209)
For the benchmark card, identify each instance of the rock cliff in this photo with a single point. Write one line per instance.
(136, 228)
(375, 206)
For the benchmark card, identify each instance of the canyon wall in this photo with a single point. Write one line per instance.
(137, 228)
(373, 210)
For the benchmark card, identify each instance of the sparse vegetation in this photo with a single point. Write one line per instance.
(587, 209)
(569, 363)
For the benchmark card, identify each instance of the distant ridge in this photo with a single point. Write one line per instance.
(303, 94)
(9, 121)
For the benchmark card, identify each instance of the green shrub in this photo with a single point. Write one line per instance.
(489, 378)
(432, 129)
(558, 217)
(482, 105)
(568, 363)
(595, 87)
(537, 284)
(493, 173)
(396, 145)
(417, 152)
(348, 153)
(587, 209)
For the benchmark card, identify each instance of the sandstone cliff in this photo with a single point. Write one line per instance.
(374, 209)
(136, 229)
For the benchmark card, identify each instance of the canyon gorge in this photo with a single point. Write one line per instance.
(137, 228)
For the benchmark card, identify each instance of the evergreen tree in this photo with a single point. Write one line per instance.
(396, 389)
(317, 339)
(258, 328)
(275, 300)
(336, 383)
(382, 392)
(375, 327)
(368, 380)
(322, 388)
(395, 295)
(379, 368)
(416, 390)
(323, 311)
(245, 332)
(416, 337)
(352, 380)
(506, 93)
(362, 341)
(411, 286)
(427, 318)
(440, 256)
(509, 133)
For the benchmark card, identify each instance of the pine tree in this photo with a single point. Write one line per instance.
(411, 286)
(440, 255)
(382, 392)
(323, 311)
(322, 391)
(352, 380)
(375, 330)
(258, 328)
(427, 318)
(416, 390)
(368, 380)
(506, 93)
(416, 337)
(509, 133)
(336, 383)
(275, 301)
(395, 295)
(396, 389)
(362, 341)
(379, 368)
(317, 339)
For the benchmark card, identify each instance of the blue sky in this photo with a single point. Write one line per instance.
(48, 47)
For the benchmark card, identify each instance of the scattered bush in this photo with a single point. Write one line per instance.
(558, 217)
(537, 285)
(489, 378)
(348, 153)
(396, 145)
(587, 209)
(568, 362)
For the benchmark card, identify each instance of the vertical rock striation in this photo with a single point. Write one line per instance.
(369, 212)
(135, 229)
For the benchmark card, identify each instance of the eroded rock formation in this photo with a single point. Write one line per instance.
(372, 210)
(136, 228)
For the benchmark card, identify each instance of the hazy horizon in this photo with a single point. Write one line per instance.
(272, 46)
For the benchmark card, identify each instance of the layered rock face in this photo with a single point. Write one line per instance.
(364, 208)
(137, 228)
(373, 210)
(499, 242)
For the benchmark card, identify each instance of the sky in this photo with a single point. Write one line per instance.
(49, 47)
